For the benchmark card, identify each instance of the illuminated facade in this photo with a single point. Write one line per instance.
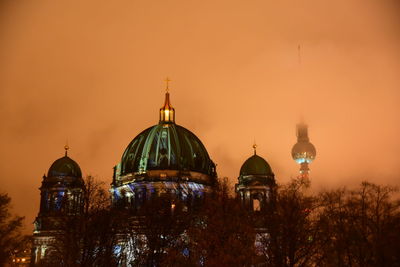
(165, 158)
(61, 197)
(21, 257)
(303, 152)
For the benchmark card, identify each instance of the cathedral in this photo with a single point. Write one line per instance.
(163, 159)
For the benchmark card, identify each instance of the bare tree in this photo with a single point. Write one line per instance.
(216, 231)
(362, 227)
(221, 232)
(162, 223)
(338, 228)
(292, 229)
(10, 226)
(89, 238)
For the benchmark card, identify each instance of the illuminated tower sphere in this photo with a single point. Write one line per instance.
(303, 152)
(256, 183)
(164, 158)
(61, 196)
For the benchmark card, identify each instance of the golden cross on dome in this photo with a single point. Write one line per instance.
(66, 147)
(167, 83)
(255, 147)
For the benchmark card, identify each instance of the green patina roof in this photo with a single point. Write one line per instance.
(65, 166)
(166, 146)
(255, 165)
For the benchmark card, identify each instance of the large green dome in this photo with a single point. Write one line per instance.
(65, 166)
(255, 165)
(166, 146)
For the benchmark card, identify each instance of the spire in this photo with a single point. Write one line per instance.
(66, 147)
(255, 148)
(299, 54)
(167, 112)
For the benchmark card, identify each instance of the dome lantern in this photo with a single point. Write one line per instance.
(167, 112)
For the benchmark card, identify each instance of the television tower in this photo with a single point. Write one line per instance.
(303, 152)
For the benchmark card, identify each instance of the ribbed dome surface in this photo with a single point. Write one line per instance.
(166, 146)
(65, 166)
(255, 165)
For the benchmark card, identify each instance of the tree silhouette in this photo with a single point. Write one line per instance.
(88, 238)
(10, 226)
(161, 224)
(334, 228)
(362, 227)
(221, 231)
(292, 233)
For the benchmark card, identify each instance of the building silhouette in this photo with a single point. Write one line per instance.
(61, 197)
(256, 183)
(164, 159)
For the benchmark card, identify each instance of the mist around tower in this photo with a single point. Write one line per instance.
(166, 206)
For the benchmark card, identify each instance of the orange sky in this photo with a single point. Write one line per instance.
(92, 72)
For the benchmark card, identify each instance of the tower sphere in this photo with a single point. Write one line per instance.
(303, 152)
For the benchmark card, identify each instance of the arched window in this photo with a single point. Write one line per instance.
(256, 204)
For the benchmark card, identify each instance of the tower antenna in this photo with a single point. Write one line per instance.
(299, 54)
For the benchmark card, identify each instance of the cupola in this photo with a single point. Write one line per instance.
(167, 112)
(65, 167)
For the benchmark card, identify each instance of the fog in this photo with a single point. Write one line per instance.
(91, 72)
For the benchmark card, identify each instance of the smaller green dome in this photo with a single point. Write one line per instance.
(65, 166)
(255, 165)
